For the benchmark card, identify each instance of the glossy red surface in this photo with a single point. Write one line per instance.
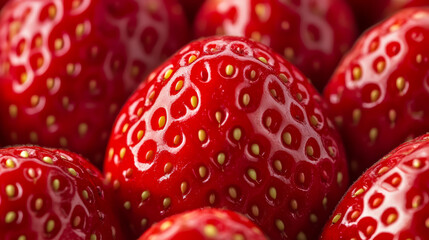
(227, 123)
(379, 93)
(389, 201)
(312, 34)
(68, 66)
(53, 194)
(204, 224)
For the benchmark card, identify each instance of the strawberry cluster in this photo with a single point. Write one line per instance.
(276, 124)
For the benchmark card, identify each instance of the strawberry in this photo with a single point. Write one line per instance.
(227, 123)
(369, 12)
(68, 66)
(191, 8)
(377, 96)
(312, 34)
(53, 194)
(204, 224)
(389, 201)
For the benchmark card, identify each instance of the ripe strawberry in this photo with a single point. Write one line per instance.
(204, 224)
(69, 65)
(227, 123)
(312, 34)
(369, 12)
(53, 194)
(389, 201)
(378, 94)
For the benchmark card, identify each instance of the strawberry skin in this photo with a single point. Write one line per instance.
(369, 12)
(313, 35)
(204, 224)
(69, 65)
(227, 123)
(53, 194)
(378, 94)
(389, 201)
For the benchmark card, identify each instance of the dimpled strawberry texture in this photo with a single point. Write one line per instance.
(389, 201)
(53, 194)
(369, 12)
(378, 96)
(312, 34)
(227, 123)
(204, 224)
(68, 66)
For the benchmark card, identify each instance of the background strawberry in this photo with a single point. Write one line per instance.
(389, 201)
(369, 12)
(204, 224)
(312, 34)
(191, 8)
(53, 194)
(68, 66)
(378, 94)
(227, 123)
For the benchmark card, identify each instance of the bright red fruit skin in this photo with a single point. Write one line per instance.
(227, 123)
(312, 34)
(369, 12)
(379, 92)
(53, 194)
(389, 201)
(204, 224)
(68, 66)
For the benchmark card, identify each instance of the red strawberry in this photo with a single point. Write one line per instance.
(312, 34)
(53, 194)
(191, 7)
(227, 123)
(378, 94)
(369, 12)
(69, 65)
(204, 224)
(389, 201)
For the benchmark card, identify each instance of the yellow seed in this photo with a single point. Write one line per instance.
(125, 127)
(357, 73)
(176, 139)
(280, 225)
(417, 163)
(48, 160)
(50, 225)
(161, 122)
(310, 151)
(400, 83)
(50, 120)
(56, 184)
(376, 202)
(261, 12)
(273, 192)
(331, 151)
(24, 78)
(252, 174)
(246, 99)
(255, 210)
(93, 237)
(167, 74)
(143, 222)
(232, 192)
(394, 27)
(33, 137)
(10, 163)
(262, 59)
(283, 77)
(256, 36)
(183, 187)
(10, 190)
(373, 134)
(252, 74)
(72, 172)
(221, 158)
(122, 152)
(278, 165)
(85, 194)
(202, 171)
(417, 201)
(149, 155)
(294, 204)
(340, 178)
(383, 170)
(70, 68)
(313, 218)
(287, 138)
(13, 111)
(237, 134)
(52, 12)
(314, 121)
(255, 149)
(145, 195)
(355, 215)
(58, 44)
(325, 202)
(116, 185)
(380, 66)
(167, 167)
(179, 85)
(34, 100)
(80, 28)
(192, 59)
(391, 218)
(10, 217)
(336, 218)
(194, 101)
(212, 198)
(375, 94)
(358, 192)
(129, 173)
(210, 231)
(82, 129)
(427, 222)
(38, 204)
(229, 70)
(357, 114)
(218, 116)
(140, 135)
(24, 154)
(165, 225)
(301, 236)
(166, 203)
(392, 115)
(22, 237)
(202, 135)
(419, 58)
(127, 205)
